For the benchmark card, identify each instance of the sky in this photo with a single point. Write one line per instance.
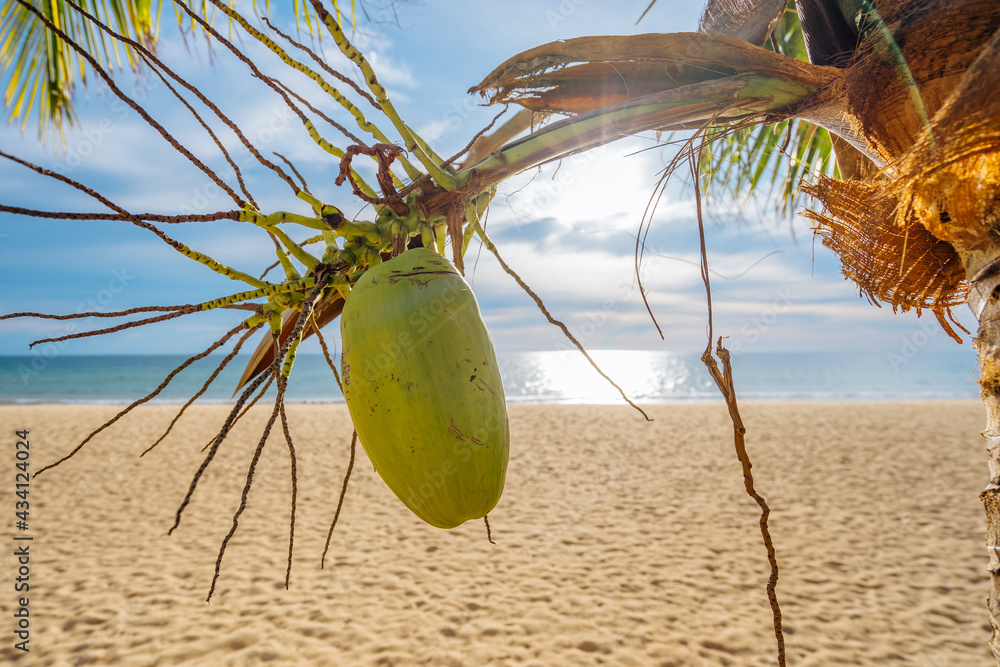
(569, 229)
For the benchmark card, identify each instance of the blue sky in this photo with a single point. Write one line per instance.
(569, 230)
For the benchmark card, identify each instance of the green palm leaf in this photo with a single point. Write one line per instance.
(41, 74)
(774, 157)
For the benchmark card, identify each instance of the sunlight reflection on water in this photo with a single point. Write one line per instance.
(647, 377)
(567, 377)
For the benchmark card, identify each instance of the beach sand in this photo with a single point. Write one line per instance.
(618, 542)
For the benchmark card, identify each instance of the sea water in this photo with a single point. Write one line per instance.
(529, 377)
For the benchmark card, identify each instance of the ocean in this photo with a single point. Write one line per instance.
(529, 377)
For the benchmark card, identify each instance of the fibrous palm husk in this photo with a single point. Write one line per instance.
(903, 265)
(950, 180)
(901, 74)
(901, 235)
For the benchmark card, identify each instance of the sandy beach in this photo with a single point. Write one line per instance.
(618, 542)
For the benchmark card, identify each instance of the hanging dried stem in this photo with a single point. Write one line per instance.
(280, 90)
(322, 63)
(545, 311)
(215, 139)
(340, 503)
(273, 369)
(313, 75)
(302, 180)
(176, 245)
(724, 381)
(326, 353)
(120, 327)
(472, 142)
(295, 483)
(156, 64)
(234, 415)
(279, 367)
(148, 217)
(282, 383)
(76, 316)
(307, 104)
(225, 362)
(489, 532)
(415, 147)
(640, 249)
(246, 408)
(214, 346)
(253, 401)
(686, 152)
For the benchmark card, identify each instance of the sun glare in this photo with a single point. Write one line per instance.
(568, 377)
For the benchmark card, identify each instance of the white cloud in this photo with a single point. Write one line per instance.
(391, 72)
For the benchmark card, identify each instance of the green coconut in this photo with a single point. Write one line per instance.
(423, 387)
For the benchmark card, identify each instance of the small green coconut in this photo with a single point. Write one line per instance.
(423, 387)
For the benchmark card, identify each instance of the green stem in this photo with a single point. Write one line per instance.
(359, 117)
(443, 178)
(286, 368)
(218, 267)
(295, 249)
(319, 207)
(674, 109)
(369, 231)
(271, 220)
(270, 290)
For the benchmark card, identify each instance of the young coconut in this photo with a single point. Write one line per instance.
(423, 387)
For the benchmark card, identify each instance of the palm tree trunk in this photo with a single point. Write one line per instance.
(983, 269)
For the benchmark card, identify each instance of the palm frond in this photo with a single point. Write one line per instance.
(41, 74)
(746, 160)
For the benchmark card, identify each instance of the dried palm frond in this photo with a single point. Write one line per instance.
(749, 20)
(557, 75)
